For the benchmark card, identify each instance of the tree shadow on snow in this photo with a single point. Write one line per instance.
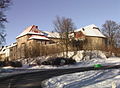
(96, 78)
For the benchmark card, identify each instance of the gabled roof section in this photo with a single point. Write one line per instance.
(31, 30)
(91, 30)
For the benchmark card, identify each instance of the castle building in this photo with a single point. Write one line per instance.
(31, 41)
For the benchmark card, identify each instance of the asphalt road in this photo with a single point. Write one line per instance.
(34, 79)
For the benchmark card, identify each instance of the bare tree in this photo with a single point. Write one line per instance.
(4, 4)
(111, 29)
(117, 39)
(64, 26)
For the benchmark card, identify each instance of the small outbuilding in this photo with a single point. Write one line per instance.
(92, 37)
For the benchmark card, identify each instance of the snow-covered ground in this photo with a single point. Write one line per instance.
(89, 79)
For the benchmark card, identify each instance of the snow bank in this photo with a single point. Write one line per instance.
(88, 79)
(76, 55)
(86, 55)
(43, 67)
(27, 61)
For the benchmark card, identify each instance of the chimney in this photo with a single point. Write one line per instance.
(37, 27)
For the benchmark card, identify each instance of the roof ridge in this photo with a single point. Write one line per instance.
(32, 27)
(27, 30)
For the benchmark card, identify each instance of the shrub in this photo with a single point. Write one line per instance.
(7, 63)
(16, 64)
(71, 61)
(2, 63)
(58, 61)
(45, 63)
(38, 62)
(10, 63)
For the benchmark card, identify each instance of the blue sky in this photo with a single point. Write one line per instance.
(24, 13)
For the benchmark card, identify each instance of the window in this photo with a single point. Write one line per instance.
(45, 42)
(4, 49)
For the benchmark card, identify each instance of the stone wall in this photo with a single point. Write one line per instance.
(94, 43)
(29, 48)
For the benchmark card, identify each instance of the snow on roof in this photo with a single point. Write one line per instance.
(31, 30)
(5, 49)
(38, 37)
(35, 33)
(90, 30)
(52, 34)
(13, 44)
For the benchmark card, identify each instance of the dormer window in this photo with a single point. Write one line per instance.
(3, 49)
(95, 28)
(83, 29)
